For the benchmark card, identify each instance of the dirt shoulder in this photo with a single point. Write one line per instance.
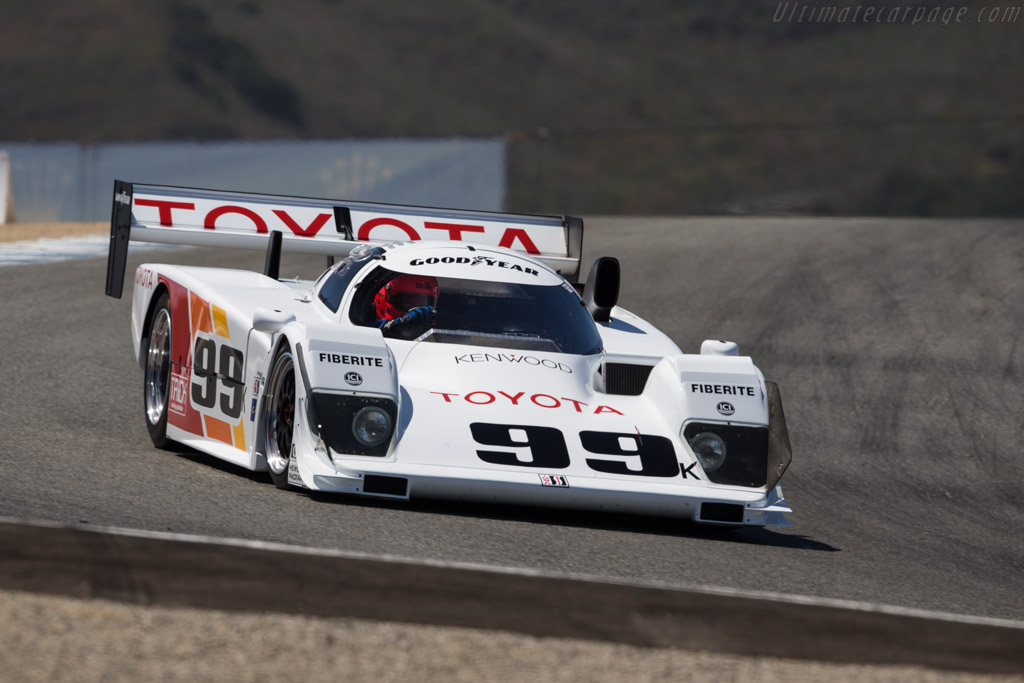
(18, 232)
(50, 638)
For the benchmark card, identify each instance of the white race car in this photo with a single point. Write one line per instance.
(449, 354)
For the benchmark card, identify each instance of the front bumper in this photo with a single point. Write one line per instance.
(704, 503)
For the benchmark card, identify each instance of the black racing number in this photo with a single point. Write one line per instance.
(547, 450)
(657, 456)
(545, 445)
(231, 374)
(204, 360)
(204, 387)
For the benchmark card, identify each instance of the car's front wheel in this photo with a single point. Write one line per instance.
(279, 421)
(158, 372)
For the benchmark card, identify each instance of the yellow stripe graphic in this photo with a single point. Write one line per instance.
(220, 322)
(239, 430)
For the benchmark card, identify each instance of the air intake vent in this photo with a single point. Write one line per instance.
(721, 512)
(385, 486)
(626, 379)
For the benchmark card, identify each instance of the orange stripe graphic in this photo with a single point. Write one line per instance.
(218, 429)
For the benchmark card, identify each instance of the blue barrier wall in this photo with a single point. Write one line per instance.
(73, 181)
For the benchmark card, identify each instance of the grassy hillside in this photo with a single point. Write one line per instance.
(639, 106)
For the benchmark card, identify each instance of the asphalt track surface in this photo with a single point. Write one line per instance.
(896, 344)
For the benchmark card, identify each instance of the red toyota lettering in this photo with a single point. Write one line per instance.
(211, 218)
(365, 228)
(165, 208)
(575, 403)
(536, 401)
(512, 234)
(309, 231)
(454, 230)
(606, 409)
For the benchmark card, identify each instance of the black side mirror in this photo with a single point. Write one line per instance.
(272, 266)
(601, 292)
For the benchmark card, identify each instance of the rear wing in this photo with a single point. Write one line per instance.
(214, 218)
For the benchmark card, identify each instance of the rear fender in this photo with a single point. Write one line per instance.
(145, 294)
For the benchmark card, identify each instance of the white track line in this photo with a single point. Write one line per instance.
(63, 249)
(789, 598)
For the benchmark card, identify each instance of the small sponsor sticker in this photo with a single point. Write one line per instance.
(353, 378)
(252, 411)
(725, 408)
(554, 480)
(178, 394)
(347, 359)
(730, 389)
(293, 470)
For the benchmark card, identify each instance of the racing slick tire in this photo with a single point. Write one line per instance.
(157, 379)
(279, 416)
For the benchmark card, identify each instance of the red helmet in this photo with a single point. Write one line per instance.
(405, 293)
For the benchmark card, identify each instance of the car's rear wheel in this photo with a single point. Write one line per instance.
(158, 372)
(279, 421)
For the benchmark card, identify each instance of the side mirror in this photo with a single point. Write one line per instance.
(715, 347)
(601, 292)
(266, 320)
(272, 265)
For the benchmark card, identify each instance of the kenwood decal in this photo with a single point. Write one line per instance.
(512, 358)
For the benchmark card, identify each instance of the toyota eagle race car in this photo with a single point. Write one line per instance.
(514, 383)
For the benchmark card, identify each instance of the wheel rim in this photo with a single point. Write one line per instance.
(158, 365)
(280, 414)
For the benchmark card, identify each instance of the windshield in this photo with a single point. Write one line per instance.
(497, 314)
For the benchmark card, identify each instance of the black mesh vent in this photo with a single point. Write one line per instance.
(626, 379)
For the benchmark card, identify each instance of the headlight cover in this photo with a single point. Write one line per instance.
(709, 449)
(371, 426)
(746, 446)
(352, 425)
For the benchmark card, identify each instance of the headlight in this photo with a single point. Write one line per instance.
(372, 426)
(709, 449)
(355, 425)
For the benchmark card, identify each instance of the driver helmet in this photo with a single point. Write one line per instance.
(405, 293)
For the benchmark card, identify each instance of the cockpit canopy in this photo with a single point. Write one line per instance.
(479, 312)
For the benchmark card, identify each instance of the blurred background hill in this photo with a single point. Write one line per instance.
(639, 106)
